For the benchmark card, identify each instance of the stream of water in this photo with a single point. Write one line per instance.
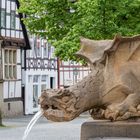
(31, 124)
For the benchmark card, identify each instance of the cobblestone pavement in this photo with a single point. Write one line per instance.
(42, 130)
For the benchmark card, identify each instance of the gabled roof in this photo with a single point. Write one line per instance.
(25, 34)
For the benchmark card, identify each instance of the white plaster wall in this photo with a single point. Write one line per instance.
(18, 89)
(29, 87)
(5, 90)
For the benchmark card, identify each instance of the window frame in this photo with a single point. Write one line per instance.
(45, 50)
(10, 64)
(3, 18)
(13, 17)
(44, 79)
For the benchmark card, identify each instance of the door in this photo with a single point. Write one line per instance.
(36, 92)
(52, 82)
(28, 95)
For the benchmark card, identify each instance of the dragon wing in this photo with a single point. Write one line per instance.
(95, 50)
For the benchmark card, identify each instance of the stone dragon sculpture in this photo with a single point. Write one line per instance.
(110, 91)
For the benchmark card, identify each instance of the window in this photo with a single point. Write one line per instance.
(29, 78)
(13, 19)
(10, 64)
(38, 51)
(36, 78)
(38, 47)
(52, 52)
(43, 82)
(30, 52)
(71, 62)
(34, 46)
(44, 78)
(45, 52)
(49, 50)
(36, 81)
(35, 96)
(3, 18)
(43, 87)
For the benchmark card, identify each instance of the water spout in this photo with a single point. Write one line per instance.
(31, 124)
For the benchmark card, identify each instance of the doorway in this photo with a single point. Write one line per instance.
(52, 82)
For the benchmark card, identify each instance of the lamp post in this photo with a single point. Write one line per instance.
(75, 73)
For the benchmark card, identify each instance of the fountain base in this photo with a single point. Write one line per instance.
(106, 130)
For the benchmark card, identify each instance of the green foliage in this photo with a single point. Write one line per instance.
(95, 19)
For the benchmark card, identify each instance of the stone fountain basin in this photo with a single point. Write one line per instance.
(107, 130)
(114, 138)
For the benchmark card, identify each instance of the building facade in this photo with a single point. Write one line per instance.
(70, 73)
(28, 65)
(40, 72)
(43, 71)
(11, 47)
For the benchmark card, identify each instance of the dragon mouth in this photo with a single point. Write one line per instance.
(46, 107)
(54, 113)
(58, 105)
(53, 109)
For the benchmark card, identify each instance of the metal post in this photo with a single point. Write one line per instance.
(1, 84)
(58, 72)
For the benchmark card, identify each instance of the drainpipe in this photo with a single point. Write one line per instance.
(1, 84)
(58, 73)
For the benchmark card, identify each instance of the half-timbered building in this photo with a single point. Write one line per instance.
(25, 73)
(70, 73)
(12, 44)
(40, 72)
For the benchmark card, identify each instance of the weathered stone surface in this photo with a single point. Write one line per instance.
(110, 91)
(114, 138)
(97, 130)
